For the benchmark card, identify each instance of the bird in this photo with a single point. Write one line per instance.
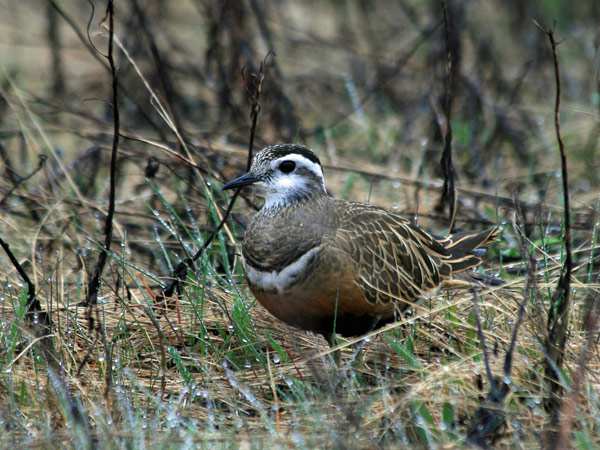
(338, 267)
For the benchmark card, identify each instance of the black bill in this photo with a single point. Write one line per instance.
(244, 180)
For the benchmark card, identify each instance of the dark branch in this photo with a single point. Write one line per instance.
(253, 87)
(33, 303)
(448, 192)
(489, 416)
(41, 163)
(558, 316)
(92, 294)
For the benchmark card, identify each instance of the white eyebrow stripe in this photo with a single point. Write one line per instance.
(313, 167)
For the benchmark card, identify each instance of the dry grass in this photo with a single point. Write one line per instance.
(211, 368)
(186, 372)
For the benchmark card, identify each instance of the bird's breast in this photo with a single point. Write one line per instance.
(280, 279)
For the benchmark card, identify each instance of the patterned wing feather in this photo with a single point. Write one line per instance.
(394, 259)
(465, 248)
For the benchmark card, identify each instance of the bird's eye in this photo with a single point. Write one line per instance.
(287, 166)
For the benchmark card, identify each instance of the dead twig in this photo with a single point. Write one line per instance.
(94, 284)
(33, 303)
(92, 294)
(253, 87)
(171, 96)
(42, 161)
(98, 55)
(558, 316)
(448, 192)
(489, 416)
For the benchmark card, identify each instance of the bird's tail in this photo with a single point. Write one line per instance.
(466, 248)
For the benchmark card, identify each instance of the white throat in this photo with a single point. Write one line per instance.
(287, 189)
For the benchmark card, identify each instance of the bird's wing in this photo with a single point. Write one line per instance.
(393, 259)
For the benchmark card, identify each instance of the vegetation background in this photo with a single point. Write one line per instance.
(365, 85)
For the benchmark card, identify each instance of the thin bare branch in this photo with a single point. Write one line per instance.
(448, 191)
(92, 294)
(253, 87)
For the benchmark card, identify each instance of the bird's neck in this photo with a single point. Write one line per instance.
(291, 197)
